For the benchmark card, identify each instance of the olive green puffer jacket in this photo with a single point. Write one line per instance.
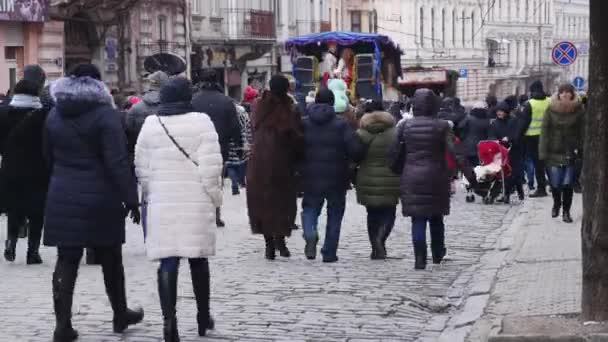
(562, 132)
(377, 185)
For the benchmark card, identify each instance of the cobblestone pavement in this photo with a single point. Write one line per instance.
(257, 300)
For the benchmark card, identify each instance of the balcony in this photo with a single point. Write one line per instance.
(249, 24)
(161, 46)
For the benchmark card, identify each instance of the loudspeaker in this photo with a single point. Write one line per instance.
(306, 73)
(364, 80)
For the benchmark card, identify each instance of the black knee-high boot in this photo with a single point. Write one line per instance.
(281, 246)
(557, 202)
(201, 283)
(64, 280)
(568, 194)
(167, 292)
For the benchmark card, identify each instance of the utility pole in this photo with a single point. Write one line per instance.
(595, 174)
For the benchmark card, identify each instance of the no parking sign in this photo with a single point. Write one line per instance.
(564, 53)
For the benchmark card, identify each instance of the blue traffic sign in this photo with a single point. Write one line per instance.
(464, 73)
(579, 83)
(564, 53)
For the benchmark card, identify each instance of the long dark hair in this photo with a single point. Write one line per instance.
(276, 112)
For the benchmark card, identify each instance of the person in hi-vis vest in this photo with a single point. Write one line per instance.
(532, 121)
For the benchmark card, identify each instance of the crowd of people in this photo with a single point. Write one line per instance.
(77, 165)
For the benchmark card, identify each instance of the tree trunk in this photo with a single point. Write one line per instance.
(595, 175)
(123, 44)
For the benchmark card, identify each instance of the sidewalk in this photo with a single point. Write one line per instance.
(540, 274)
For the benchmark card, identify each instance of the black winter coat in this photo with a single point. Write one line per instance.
(425, 180)
(474, 129)
(222, 111)
(24, 176)
(330, 144)
(91, 178)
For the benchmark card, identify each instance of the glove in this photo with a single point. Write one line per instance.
(134, 213)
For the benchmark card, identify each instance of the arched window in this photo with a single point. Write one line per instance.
(432, 27)
(162, 28)
(443, 28)
(473, 29)
(464, 28)
(422, 26)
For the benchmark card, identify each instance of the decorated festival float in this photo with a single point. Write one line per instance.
(369, 64)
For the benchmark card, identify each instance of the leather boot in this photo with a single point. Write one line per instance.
(438, 252)
(568, 194)
(540, 192)
(310, 250)
(202, 291)
(167, 291)
(64, 280)
(114, 280)
(10, 246)
(520, 192)
(557, 202)
(378, 243)
(218, 218)
(33, 255)
(420, 253)
(281, 246)
(270, 249)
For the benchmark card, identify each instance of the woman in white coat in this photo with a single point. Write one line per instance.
(179, 165)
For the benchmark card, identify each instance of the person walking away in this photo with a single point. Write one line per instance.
(377, 186)
(473, 129)
(560, 144)
(92, 188)
(238, 155)
(529, 174)
(491, 103)
(210, 99)
(532, 121)
(418, 154)
(330, 145)
(24, 176)
(179, 164)
(504, 129)
(271, 171)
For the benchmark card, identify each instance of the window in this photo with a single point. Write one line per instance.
(278, 17)
(337, 26)
(321, 10)
(215, 8)
(473, 29)
(517, 53)
(499, 10)
(432, 27)
(517, 12)
(293, 14)
(196, 7)
(527, 10)
(10, 53)
(454, 28)
(312, 11)
(509, 11)
(355, 21)
(422, 26)
(443, 27)
(464, 28)
(162, 28)
(526, 53)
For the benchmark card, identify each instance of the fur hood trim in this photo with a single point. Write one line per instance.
(564, 106)
(377, 117)
(81, 89)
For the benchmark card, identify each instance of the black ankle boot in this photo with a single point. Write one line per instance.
(114, 280)
(568, 194)
(281, 246)
(167, 291)
(33, 256)
(557, 202)
(420, 253)
(64, 280)
(202, 292)
(270, 247)
(9, 249)
(218, 218)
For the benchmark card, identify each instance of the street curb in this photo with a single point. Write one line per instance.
(536, 338)
(473, 304)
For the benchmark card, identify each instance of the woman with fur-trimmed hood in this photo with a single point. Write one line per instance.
(560, 145)
(377, 186)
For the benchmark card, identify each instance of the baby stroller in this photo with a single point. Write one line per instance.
(493, 171)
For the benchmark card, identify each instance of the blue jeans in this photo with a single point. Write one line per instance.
(561, 176)
(530, 172)
(172, 264)
(311, 209)
(437, 232)
(236, 173)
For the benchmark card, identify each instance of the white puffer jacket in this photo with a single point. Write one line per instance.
(181, 197)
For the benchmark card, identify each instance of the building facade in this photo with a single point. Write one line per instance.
(571, 23)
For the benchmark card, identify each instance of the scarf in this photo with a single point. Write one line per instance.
(174, 108)
(25, 101)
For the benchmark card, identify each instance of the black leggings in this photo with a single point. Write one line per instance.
(16, 220)
(106, 255)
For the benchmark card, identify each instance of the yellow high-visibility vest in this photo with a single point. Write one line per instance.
(539, 107)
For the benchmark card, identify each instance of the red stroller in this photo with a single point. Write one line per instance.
(494, 170)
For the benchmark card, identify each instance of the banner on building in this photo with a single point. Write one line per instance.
(24, 10)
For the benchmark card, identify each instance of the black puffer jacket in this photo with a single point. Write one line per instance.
(452, 111)
(425, 139)
(91, 177)
(330, 143)
(473, 129)
(222, 111)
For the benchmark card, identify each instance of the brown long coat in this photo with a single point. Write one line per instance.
(271, 172)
